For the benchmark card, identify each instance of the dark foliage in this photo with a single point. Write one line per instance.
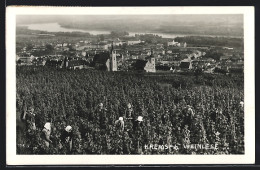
(67, 97)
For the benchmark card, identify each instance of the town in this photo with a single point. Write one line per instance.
(141, 52)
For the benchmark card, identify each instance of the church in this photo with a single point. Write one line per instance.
(106, 60)
(147, 65)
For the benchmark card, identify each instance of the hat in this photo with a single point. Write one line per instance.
(241, 103)
(120, 118)
(47, 126)
(129, 105)
(68, 128)
(100, 104)
(140, 118)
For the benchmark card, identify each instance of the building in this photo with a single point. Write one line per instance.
(172, 43)
(106, 60)
(24, 59)
(118, 42)
(227, 48)
(99, 46)
(133, 42)
(75, 64)
(112, 60)
(101, 61)
(150, 65)
(185, 65)
(147, 65)
(38, 62)
(66, 63)
(54, 63)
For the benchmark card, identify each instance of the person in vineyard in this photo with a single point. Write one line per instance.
(129, 112)
(241, 105)
(129, 120)
(101, 116)
(138, 125)
(66, 138)
(47, 134)
(187, 115)
(165, 117)
(120, 123)
(101, 113)
(29, 116)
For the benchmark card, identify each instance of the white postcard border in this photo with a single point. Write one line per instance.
(249, 79)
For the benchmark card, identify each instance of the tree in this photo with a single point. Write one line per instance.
(101, 37)
(29, 47)
(49, 48)
(117, 34)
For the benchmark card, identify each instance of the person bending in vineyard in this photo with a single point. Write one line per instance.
(47, 134)
(66, 138)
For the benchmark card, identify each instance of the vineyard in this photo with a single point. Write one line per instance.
(176, 109)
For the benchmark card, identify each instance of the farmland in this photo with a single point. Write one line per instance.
(70, 97)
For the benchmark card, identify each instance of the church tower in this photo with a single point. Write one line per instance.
(152, 58)
(113, 61)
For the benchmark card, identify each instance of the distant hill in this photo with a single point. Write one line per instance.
(182, 24)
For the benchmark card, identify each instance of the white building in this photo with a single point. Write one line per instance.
(172, 43)
(150, 65)
(133, 42)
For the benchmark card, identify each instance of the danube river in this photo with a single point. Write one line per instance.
(55, 27)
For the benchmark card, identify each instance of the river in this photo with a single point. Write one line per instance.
(55, 27)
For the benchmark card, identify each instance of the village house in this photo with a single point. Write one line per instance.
(169, 51)
(54, 63)
(133, 42)
(209, 69)
(38, 61)
(172, 43)
(24, 59)
(74, 64)
(101, 46)
(38, 48)
(227, 48)
(185, 65)
(59, 45)
(224, 58)
(118, 42)
(67, 63)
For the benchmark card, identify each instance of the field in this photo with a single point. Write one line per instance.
(70, 97)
